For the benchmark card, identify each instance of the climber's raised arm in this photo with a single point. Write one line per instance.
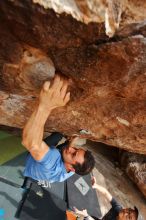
(51, 97)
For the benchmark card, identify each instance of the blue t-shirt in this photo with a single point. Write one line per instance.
(51, 168)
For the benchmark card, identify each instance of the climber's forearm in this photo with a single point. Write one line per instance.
(104, 191)
(34, 128)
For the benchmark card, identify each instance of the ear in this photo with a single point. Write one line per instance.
(73, 141)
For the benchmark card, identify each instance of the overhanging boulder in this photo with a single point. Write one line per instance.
(107, 76)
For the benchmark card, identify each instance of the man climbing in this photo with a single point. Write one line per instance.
(45, 162)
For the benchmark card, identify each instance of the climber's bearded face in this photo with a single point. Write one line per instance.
(73, 155)
(127, 214)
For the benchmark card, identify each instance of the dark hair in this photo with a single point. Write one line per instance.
(87, 166)
(135, 210)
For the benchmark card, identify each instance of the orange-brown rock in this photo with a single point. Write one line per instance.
(107, 76)
(115, 13)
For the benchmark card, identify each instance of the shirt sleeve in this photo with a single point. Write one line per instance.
(50, 157)
(116, 206)
(88, 218)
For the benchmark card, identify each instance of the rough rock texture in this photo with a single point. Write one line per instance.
(135, 167)
(114, 13)
(107, 77)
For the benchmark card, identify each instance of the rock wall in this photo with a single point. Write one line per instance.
(107, 76)
(114, 13)
(135, 167)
